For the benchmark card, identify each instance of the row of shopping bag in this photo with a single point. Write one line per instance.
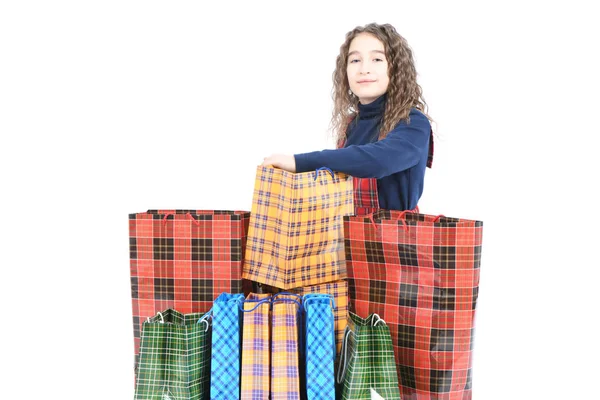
(419, 272)
(265, 346)
(292, 238)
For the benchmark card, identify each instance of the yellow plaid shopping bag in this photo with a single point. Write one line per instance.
(286, 335)
(296, 235)
(256, 344)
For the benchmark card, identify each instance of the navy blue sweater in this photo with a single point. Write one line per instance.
(398, 161)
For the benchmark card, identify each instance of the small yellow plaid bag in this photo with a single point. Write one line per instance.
(286, 334)
(296, 234)
(256, 345)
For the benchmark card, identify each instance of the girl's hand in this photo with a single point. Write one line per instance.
(281, 161)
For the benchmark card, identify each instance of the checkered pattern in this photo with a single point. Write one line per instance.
(339, 291)
(368, 361)
(320, 347)
(285, 357)
(366, 196)
(225, 361)
(183, 259)
(174, 358)
(256, 345)
(420, 273)
(295, 237)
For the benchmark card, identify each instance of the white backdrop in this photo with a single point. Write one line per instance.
(114, 107)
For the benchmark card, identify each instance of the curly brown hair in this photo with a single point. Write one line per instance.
(403, 91)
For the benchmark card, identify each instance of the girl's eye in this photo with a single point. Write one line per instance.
(354, 60)
(378, 59)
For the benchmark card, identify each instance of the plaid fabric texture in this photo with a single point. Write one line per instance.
(320, 346)
(255, 347)
(366, 196)
(295, 236)
(183, 259)
(174, 358)
(420, 273)
(285, 356)
(367, 361)
(225, 360)
(339, 291)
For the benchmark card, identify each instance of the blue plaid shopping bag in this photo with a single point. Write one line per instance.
(320, 346)
(225, 360)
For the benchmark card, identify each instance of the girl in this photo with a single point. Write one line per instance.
(379, 119)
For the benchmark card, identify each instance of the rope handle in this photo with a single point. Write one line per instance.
(162, 319)
(343, 357)
(275, 299)
(258, 303)
(379, 319)
(312, 297)
(323, 169)
(205, 318)
(188, 214)
(402, 216)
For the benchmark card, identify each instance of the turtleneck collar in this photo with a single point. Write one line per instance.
(373, 109)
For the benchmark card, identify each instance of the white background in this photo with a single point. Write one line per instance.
(114, 107)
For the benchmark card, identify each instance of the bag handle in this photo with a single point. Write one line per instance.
(323, 169)
(162, 319)
(343, 357)
(313, 297)
(188, 214)
(379, 319)
(204, 319)
(258, 303)
(275, 299)
(402, 217)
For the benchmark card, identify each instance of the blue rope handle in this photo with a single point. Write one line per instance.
(235, 298)
(312, 297)
(289, 300)
(258, 303)
(205, 316)
(323, 169)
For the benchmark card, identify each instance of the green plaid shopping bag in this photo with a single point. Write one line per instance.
(174, 357)
(367, 368)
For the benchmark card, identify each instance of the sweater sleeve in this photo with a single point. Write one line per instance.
(401, 149)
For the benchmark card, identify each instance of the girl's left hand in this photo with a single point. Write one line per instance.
(281, 161)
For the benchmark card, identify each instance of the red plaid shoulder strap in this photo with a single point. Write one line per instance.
(430, 152)
(366, 197)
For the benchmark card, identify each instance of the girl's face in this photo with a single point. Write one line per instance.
(367, 68)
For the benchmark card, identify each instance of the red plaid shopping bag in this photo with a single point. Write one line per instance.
(183, 259)
(420, 273)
